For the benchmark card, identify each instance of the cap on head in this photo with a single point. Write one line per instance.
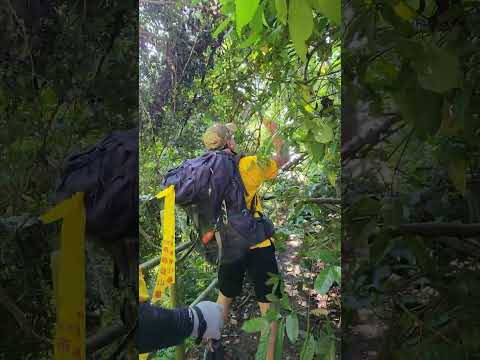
(217, 135)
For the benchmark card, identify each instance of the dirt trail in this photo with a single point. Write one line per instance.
(242, 346)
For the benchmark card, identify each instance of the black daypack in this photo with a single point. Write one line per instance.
(108, 175)
(211, 191)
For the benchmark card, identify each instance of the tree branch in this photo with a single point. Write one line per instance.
(442, 229)
(323, 200)
(19, 317)
(372, 137)
(293, 163)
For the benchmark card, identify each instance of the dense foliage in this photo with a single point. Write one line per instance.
(230, 61)
(411, 91)
(68, 76)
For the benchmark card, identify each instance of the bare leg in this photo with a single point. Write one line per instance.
(273, 331)
(226, 302)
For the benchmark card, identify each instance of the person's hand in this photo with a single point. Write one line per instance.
(213, 316)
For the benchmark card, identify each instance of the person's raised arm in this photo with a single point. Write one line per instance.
(282, 155)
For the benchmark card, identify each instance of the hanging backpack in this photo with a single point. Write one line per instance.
(211, 191)
(108, 175)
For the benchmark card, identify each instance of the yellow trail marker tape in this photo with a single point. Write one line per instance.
(166, 272)
(69, 277)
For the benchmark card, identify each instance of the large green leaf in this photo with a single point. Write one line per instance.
(254, 325)
(324, 133)
(281, 7)
(437, 69)
(309, 348)
(316, 149)
(421, 107)
(256, 24)
(292, 327)
(329, 8)
(244, 11)
(325, 344)
(324, 281)
(300, 25)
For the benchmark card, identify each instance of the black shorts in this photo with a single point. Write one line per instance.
(257, 263)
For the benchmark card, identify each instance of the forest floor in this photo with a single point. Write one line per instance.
(240, 345)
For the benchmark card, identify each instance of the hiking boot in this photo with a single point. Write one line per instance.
(218, 351)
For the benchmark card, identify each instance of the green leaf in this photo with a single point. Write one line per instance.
(249, 41)
(404, 11)
(285, 303)
(272, 315)
(437, 69)
(228, 7)
(223, 25)
(331, 9)
(324, 133)
(48, 99)
(326, 346)
(308, 350)
(279, 340)
(325, 256)
(300, 25)
(254, 325)
(256, 24)
(317, 150)
(421, 107)
(323, 345)
(337, 274)
(332, 178)
(324, 281)
(281, 7)
(263, 345)
(272, 297)
(456, 173)
(245, 10)
(292, 327)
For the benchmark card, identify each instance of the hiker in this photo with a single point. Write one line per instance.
(108, 175)
(159, 328)
(260, 258)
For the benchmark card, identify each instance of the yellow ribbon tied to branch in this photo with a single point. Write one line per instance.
(69, 279)
(166, 272)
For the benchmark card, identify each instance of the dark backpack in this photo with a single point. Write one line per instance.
(108, 175)
(211, 191)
